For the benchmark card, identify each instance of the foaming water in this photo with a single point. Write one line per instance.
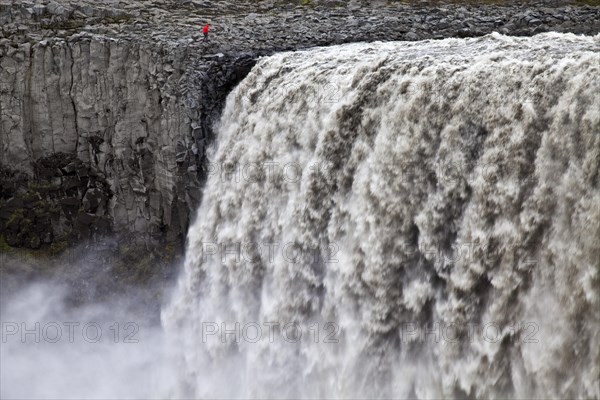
(417, 186)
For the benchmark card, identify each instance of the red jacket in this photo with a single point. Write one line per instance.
(205, 29)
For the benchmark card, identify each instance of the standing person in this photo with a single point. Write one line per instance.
(205, 31)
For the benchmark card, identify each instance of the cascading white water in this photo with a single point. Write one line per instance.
(404, 193)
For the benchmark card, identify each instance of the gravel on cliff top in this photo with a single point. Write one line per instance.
(268, 26)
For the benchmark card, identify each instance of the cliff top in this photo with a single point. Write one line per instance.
(281, 25)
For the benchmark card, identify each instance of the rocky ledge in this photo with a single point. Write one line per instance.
(107, 107)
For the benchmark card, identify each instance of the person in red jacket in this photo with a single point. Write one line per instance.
(205, 31)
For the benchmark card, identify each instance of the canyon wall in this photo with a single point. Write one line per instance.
(117, 110)
(104, 125)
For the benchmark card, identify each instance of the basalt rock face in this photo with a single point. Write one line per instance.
(132, 141)
(107, 108)
(113, 106)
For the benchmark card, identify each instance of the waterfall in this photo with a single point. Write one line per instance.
(400, 220)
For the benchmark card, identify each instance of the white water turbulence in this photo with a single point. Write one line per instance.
(446, 186)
